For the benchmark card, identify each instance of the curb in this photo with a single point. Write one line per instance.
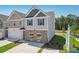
(40, 50)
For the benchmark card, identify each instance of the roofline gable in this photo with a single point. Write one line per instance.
(3, 17)
(42, 12)
(35, 7)
(13, 12)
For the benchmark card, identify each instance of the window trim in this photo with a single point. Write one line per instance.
(40, 24)
(30, 22)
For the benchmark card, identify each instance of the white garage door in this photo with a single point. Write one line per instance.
(15, 33)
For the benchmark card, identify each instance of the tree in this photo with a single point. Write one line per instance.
(77, 21)
(63, 21)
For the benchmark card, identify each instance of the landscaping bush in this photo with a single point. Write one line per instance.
(2, 38)
(59, 40)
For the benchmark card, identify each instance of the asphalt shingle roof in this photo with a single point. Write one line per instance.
(3, 17)
(16, 15)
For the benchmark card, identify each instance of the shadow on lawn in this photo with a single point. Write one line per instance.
(57, 42)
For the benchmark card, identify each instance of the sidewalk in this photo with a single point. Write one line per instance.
(4, 42)
(50, 51)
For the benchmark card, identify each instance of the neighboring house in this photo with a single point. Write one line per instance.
(3, 18)
(36, 25)
(14, 24)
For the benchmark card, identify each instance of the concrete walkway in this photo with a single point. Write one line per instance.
(4, 42)
(50, 51)
(28, 47)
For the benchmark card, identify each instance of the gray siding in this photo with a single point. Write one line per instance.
(3, 18)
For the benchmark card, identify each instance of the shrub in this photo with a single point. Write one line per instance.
(2, 38)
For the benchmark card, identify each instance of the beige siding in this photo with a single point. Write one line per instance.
(14, 16)
(14, 24)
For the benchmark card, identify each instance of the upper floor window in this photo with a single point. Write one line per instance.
(30, 22)
(40, 21)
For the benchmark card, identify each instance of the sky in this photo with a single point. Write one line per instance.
(59, 10)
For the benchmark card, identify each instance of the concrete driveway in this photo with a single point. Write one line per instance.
(27, 47)
(4, 42)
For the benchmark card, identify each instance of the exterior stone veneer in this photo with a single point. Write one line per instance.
(33, 35)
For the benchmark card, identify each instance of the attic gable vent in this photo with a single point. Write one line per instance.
(32, 13)
(40, 14)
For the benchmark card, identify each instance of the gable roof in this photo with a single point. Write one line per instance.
(16, 15)
(34, 11)
(3, 17)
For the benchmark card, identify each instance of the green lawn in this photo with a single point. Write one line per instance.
(74, 42)
(7, 47)
(57, 42)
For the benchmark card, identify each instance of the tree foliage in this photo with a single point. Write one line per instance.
(63, 21)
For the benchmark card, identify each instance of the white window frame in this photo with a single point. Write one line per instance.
(29, 20)
(40, 22)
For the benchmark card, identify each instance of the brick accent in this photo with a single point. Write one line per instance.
(37, 35)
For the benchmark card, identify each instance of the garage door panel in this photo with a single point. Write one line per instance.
(15, 33)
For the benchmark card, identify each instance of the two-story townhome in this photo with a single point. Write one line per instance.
(3, 18)
(39, 25)
(36, 25)
(14, 24)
